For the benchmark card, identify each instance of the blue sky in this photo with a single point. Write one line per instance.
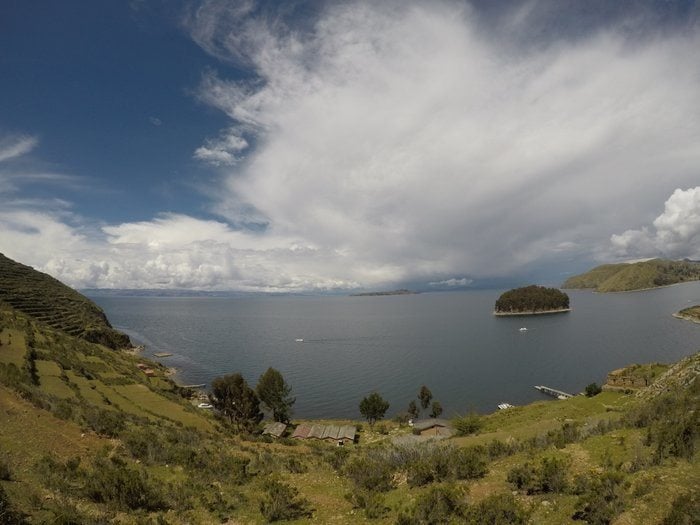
(323, 146)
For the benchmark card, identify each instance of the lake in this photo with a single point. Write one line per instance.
(448, 341)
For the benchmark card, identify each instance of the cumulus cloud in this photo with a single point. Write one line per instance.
(393, 142)
(405, 137)
(224, 150)
(675, 233)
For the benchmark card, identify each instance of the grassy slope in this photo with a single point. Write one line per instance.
(690, 314)
(635, 276)
(29, 433)
(51, 302)
(80, 387)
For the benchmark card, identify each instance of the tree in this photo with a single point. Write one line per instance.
(436, 409)
(274, 392)
(413, 409)
(232, 396)
(593, 390)
(425, 396)
(373, 407)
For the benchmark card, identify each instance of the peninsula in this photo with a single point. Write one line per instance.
(532, 300)
(689, 314)
(628, 277)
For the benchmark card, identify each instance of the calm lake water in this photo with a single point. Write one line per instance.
(394, 344)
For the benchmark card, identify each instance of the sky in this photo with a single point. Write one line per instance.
(325, 146)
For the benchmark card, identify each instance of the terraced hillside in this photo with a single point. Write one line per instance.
(50, 301)
(627, 277)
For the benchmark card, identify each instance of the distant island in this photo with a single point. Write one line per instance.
(627, 277)
(532, 300)
(392, 292)
(689, 314)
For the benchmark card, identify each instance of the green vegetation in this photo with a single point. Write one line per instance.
(625, 277)
(593, 389)
(235, 400)
(87, 437)
(52, 302)
(530, 300)
(373, 407)
(274, 393)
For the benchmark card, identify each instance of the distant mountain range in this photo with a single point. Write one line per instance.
(626, 277)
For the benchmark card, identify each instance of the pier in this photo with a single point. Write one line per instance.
(553, 392)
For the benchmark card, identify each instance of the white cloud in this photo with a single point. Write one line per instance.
(406, 138)
(453, 282)
(675, 233)
(15, 146)
(398, 141)
(224, 150)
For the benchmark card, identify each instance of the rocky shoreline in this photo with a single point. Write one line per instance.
(531, 312)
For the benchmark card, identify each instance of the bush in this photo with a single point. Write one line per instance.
(550, 475)
(685, 510)
(593, 390)
(441, 504)
(371, 502)
(371, 472)
(107, 423)
(124, 487)
(469, 424)
(8, 516)
(498, 509)
(470, 463)
(281, 502)
(603, 501)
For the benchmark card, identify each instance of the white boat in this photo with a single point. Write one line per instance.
(523, 329)
(504, 406)
(299, 340)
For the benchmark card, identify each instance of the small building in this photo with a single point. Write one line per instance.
(433, 427)
(274, 429)
(338, 434)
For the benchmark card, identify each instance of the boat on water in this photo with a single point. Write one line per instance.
(504, 406)
(299, 340)
(523, 329)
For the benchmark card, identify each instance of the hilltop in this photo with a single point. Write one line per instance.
(626, 277)
(87, 436)
(49, 301)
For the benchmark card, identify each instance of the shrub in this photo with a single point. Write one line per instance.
(371, 502)
(124, 487)
(372, 472)
(498, 509)
(441, 504)
(685, 510)
(281, 502)
(468, 424)
(470, 463)
(107, 423)
(550, 475)
(593, 390)
(8, 515)
(603, 501)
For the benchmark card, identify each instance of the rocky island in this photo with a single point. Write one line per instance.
(532, 300)
(689, 314)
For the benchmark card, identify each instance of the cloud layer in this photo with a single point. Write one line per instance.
(399, 142)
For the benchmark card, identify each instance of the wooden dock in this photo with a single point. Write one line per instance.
(553, 392)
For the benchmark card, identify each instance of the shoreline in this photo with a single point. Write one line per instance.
(636, 289)
(682, 317)
(532, 312)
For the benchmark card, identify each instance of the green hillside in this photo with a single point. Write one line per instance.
(626, 277)
(86, 436)
(48, 300)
